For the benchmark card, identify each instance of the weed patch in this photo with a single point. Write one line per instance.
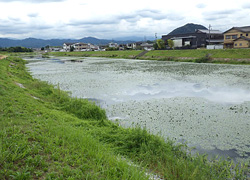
(55, 136)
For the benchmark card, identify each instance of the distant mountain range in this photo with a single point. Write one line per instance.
(188, 28)
(38, 43)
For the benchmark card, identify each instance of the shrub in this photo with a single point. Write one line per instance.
(204, 59)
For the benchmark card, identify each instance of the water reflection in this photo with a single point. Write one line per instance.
(183, 89)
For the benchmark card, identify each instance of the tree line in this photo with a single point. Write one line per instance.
(16, 49)
(160, 44)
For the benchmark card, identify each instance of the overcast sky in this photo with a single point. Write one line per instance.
(110, 19)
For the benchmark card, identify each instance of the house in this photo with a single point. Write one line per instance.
(131, 46)
(188, 40)
(237, 37)
(93, 47)
(147, 46)
(213, 37)
(197, 39)
(67, 46)
(81, 47)
(242, 42)
(113, 45)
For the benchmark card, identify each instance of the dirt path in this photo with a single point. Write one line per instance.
(2, 56)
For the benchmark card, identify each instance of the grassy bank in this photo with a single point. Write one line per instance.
(199, 53)
(229, 56)
(45, 134)
(109, 54)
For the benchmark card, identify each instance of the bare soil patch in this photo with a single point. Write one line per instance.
(2, 56)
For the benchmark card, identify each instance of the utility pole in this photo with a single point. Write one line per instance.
(155, 36)
(209, 29)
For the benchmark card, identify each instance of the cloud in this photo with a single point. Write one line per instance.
(217, 15)
(158, 15)
(32, 1)
(246, 6)
(92, 22)
(135, 22)
(201, 6)
(15, 26)
(33, 15)
(14, 19)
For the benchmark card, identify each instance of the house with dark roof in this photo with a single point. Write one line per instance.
(197, 39)
(237, 37)
(213, 37)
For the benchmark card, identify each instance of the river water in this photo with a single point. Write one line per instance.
(206, 106)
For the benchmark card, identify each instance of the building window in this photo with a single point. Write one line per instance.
(241, 35)
(247, 34)
(240, 44)
(234, 36)
(235, 44)
(228, 37)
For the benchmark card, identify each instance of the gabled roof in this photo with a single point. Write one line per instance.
(183, 37)
(243, 37)
(241, 29)
(209, 32)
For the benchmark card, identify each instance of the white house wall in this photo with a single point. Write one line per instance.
(177, 42)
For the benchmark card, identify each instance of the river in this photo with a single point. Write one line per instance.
(206, 106)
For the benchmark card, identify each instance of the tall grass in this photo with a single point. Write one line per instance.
(46, 134)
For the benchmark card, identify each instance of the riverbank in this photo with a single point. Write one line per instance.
(223, 56)
(45, 134)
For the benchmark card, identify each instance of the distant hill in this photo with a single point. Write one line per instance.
(188, 28)
(38, 43)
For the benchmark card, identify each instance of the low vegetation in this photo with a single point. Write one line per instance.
(46, 134)
(229, 56)
(16, 49)
(110, 54)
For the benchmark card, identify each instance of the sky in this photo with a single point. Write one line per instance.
(112, 19)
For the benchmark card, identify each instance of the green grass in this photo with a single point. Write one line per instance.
(222, 56)
(199, 53)
(46, 134)
(110, 54)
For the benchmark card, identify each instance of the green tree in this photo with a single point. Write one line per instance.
(160, 43)
(155, 46)
(72, 48)
(170, 43)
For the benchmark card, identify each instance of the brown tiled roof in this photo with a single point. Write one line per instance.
(243, 37)
(242, 29)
